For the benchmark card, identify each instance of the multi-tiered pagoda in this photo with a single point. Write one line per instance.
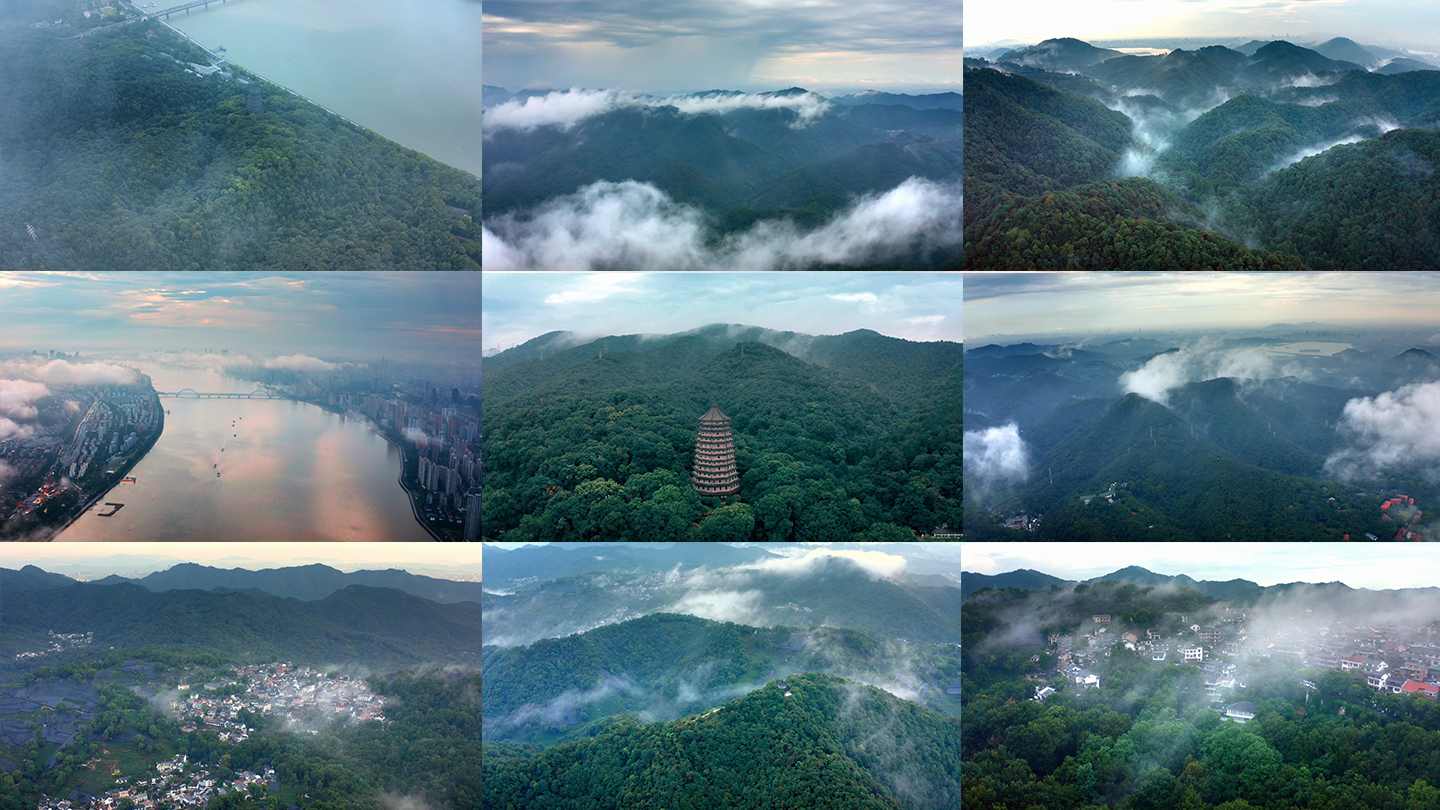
(715, 472)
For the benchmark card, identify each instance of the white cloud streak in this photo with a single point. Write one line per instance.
(566, 108)
(635, 226)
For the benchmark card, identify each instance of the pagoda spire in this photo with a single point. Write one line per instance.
(714, 472)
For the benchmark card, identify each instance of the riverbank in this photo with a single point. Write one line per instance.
(120, 474)
(405, 464)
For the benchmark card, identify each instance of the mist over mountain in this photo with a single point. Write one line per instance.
(1213, 157)
(879, 592)
(873, 449)
(817, 740)
(1118, 666)
(1240, 438)
(785, 179)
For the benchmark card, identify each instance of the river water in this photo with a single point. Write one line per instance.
(409, 71)
(255, 470)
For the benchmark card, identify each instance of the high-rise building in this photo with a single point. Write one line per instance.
(714, 472)
(472, 516)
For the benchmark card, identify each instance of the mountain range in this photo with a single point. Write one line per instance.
(832, 591)
(1218, 158)
(359, 624)
(306, 583)
(1196, 456)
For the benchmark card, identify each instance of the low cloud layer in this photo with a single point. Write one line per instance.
(1199, 362)
(994, 459)
(1397, 429)
(636, 226)
(300, 362)
(64, 372)
(566, 108)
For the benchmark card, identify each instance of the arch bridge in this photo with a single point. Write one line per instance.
(191, 393)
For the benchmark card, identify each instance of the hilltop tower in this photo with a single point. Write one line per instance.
(715, 472)
(254, 102)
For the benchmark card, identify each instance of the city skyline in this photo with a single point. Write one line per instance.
(913, 306)
(414, 316)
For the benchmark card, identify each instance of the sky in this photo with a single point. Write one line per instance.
(910, 305)
(138, 559)
(753, 45)
(420, 316)
(1378, 566)
(1370, 22)
(1097, 303)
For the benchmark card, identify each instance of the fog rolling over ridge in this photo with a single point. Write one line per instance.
(1276, 433)
(589, 646)
(725, 180)
(1216, 153)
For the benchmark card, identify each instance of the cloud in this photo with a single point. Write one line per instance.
(634, 226)
(17, 396)
(868, 297)
(566, 108)
(418, 436)
(1397, 429)
(6, 471)
(1201, 361)
(994, 458)
(64, 372)
(300, 362)
(875, 563)
(740, 607)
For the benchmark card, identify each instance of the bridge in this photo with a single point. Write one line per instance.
(191, 393)
(186, 7)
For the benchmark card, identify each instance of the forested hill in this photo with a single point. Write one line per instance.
(829, 743)
(376, 627)
(116, 155)
(669, 665)
(596, 443)
(307, 582)
(902, 369)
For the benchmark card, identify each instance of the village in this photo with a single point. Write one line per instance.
(1394, 658)
(178, 783)
(305, 697)
(59, 642)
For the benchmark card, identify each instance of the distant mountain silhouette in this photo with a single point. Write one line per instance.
(307, 582)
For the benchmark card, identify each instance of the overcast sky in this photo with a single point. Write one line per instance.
(1370, 22)
(1097, 303)
(130, 559)
(417, 316)
(692, 45)
(1377, 566)
(911, 305)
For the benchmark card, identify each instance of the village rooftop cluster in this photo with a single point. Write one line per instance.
(297, 694)
(1395, 659)
(178, 784)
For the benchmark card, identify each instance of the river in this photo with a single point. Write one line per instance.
(255, 470)
(409, 71)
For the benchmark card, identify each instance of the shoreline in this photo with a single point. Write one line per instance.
(120, 474)
(400, 479)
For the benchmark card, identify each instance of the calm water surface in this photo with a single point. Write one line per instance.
(286, 471)
(410, 71)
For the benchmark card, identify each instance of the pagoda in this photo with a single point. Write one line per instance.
(715, 472)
